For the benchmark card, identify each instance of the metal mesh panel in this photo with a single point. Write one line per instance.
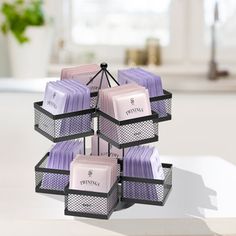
(46, 181)
(123, 134)
(162, 108)
(93, 101)
(73, 125)
(87, 203)
(64, 127)
(152, 193)
(162, 105)
(44, 123)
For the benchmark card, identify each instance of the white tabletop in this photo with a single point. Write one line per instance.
(203, 189)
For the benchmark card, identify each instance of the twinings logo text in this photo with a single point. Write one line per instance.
(134, 110)
(52, 104)
(89, 182)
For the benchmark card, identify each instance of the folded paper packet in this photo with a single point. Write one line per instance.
(150, 81)
(83, 74)
(60, 157)
(81, 101)
(123, 103)
(63, 97)
(93, 173)
(104, 96)
(143, 162)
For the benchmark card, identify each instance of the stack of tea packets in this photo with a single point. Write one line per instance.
(142, 162)
(84, 74)
(60, 157)
(148, 80)
(123, 103)
(63, 97)
(93, 173)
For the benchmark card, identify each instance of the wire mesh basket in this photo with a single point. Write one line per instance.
(51, 181)
(162, 105)
(65, 126)
(147, 191)
(128, 133)
(91, 204)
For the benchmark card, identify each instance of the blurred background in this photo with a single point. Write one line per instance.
(191, 44)
(171, 37)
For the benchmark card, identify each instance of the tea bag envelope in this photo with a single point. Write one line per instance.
(151, 193)
(100, 159)
(65, 72)
(142, 77)
(156, 165)
(86, 119)
(81, 101)
(127, 171)
(149, 79)
(157, 106)
(145, 170)
(55, 101)
(122, 90)
(75, 125)
(73, 101)
(103, 95)
(103, 160)
(53, 155)
(63, 126)
(128, 158)
(93, 175)
(49, 181)
(129, 106)
(158, 82)
(84, 89)
(103, 148)
(107, 107)
(126, 189)
(135, 171)
(130, 76)
(61, 181)
(138, 171)
(90, 178)
(83, 74)
(137, 75)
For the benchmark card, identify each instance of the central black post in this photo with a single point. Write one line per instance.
(105, 72)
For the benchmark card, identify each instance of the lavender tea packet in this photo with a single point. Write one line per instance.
(60, 157)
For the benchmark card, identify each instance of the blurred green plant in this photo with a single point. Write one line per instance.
(20, 14)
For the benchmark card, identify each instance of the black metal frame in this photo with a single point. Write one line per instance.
(166, 95)
(105, 72)
(153, 117)
(130, 144)
(48, 170)
(96, 113)
(151, 181)
(90, 193)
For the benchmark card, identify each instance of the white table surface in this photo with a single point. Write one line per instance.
(202, 200)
